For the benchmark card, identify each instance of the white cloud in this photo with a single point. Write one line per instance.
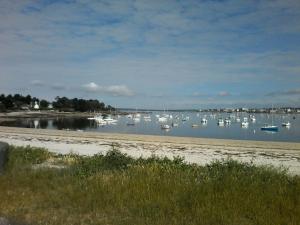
(37, 83)
(114, 90)
(91, 87)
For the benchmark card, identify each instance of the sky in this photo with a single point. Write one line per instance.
(164, 54)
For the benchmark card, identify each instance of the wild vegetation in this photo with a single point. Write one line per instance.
(39, 187)
(19, 102)
(81, 105)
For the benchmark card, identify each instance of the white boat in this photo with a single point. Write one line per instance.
(220, 122)
(108, 120)
(185, 118)
(174, 124)
(238, 119)
(204, 120)
(165, 115)
(227, 121)
(99, 120)
(195, 125)
(245, 124)
(165, 127)
(288, 124)
(147, 117)
(162, 119)
(96, 117)
(137, 119)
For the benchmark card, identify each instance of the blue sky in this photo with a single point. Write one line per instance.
(153, 54)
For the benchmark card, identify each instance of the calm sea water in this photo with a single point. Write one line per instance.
(185, 129)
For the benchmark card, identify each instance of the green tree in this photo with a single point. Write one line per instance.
(44, 104)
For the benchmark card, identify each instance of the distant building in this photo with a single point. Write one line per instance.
(50, 106)
(36, 106)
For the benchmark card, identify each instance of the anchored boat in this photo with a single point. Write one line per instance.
(165, 127)
(269, 128)
(288, 124)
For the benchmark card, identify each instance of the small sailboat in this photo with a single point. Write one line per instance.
(227, 121)
(147, 118)
(174, 124)
(252, 118)
(204, 121)
(288, 124)
(165, 127)
(267, 127)
(110, 120)
(162, 119)
(271, 128)
(220, 122)
(245, 124)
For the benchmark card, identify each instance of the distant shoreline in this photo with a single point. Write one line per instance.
(47, 114)
(194, 150)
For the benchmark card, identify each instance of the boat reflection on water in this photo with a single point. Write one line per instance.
(270, 132)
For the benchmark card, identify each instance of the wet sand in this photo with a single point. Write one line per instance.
(194, 150)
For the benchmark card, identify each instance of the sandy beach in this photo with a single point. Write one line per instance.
(194, 150)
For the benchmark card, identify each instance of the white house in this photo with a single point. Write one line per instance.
(36, 106)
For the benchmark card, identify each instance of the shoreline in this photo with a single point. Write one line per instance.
(194, 150)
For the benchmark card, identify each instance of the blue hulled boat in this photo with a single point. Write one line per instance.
(269, 128)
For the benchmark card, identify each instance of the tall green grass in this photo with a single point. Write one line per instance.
(117, 189)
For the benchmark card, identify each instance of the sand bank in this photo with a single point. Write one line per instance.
(194, 150)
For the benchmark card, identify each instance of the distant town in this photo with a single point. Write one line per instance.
(256, 110)
(19, 102)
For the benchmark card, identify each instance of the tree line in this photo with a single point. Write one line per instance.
(20, 102)
(81, 105)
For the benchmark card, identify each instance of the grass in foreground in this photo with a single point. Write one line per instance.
(116, 189)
